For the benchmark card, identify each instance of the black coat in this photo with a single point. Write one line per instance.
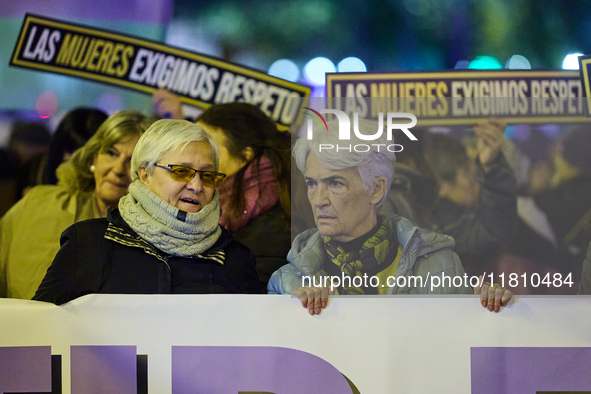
(88, 262)
(269, 237)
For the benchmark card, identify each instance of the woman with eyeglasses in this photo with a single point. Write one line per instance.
(93, 180)
(165, 237)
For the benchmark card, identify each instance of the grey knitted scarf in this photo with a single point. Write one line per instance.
(170, 229)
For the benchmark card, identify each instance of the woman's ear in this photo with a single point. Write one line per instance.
(144, 176)
(248, 154)
(379, 189)
(445, 189)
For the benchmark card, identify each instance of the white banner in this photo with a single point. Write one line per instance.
(269, 344)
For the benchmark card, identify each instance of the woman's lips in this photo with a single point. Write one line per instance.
(190, 201)
(119, 185)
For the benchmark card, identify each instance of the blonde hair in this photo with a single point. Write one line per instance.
(76, 174)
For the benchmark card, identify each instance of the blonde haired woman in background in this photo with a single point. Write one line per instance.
(95, 178)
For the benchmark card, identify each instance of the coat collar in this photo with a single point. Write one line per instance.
(308, 255)
(119, 231)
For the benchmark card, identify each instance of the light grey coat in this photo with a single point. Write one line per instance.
(424, 253)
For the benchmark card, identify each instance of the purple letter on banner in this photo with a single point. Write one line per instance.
(25, 369)
(104, 369)
(511, 370)
(233, 369)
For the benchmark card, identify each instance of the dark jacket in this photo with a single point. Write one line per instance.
(568, 209)
(269, 237)
(107, 256)
(480, 233)
(585, 285)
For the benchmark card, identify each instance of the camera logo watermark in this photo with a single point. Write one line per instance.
(344, 129)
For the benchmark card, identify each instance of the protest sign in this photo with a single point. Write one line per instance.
(130, 62)
(464, 97)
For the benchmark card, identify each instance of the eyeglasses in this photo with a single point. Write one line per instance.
(185, 174)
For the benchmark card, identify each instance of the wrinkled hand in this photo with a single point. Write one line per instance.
(167, 105)
(493, 297)
(313, 298)
(490, 140)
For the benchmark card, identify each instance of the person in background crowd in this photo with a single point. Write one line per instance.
(95, 178)
(567, 204)
(534, 249)
(30, 175)
(585, 284)
(255, 196)
(474, 202)
(414, 192)
(345, 190)
(538, 148)
(165, 236)
(27, 142)
(477, 199)
(72, 133)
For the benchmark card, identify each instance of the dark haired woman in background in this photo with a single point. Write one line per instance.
(72, 133)
(255, 197)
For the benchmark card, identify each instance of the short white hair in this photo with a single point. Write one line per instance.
(164, 135)
(376, 162)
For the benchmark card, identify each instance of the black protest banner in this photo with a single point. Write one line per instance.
(464, 97)
(585, 69)
(130, 62)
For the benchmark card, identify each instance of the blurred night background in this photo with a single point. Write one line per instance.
(282, 37)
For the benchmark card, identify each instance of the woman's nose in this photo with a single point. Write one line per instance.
(195, 184)
(319, 197)
(121, 167)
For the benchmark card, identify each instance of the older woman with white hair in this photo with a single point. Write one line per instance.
(354, 250)
(165, 236)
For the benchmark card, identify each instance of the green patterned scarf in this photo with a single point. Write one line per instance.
(372, 255)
